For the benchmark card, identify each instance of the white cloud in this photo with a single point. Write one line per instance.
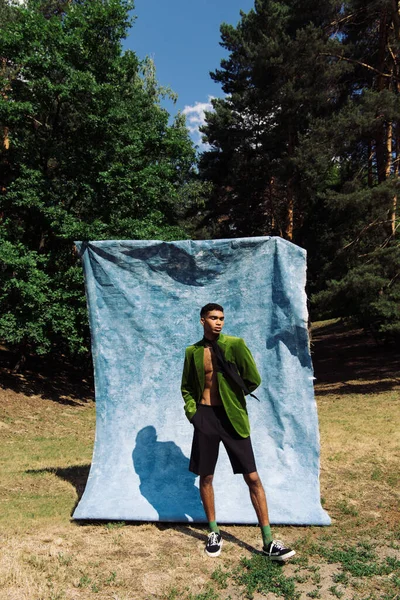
(195, 119)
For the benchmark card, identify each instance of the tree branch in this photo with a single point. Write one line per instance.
(337, 22)
(361, 64)
(392, 54)
(364, 229)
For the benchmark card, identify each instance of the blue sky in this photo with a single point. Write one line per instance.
(182, 37)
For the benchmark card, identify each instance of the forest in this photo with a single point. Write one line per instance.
(304, 144)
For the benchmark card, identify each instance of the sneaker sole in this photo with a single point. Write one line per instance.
(214, 554)
(283, 558)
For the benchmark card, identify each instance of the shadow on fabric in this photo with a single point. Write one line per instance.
(165, 480)
(283, 329)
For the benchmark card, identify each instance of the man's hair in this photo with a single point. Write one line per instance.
(209, 307)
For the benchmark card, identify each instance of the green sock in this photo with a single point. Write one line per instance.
(213, 526)
(266, 534)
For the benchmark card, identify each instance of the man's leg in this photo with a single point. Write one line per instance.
(214, 541)
(275, 550)
(259, 501)
(258, 498)
(207, 496)
(203, 460)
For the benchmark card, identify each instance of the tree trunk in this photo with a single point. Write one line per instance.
(19, 366)
(381, 144)
(389, 157)
(6, 139)
(393, 216)
(290, 192)
(396, 171)
(6, 131)
(6, 145)
(396, 72)
(394, 146)
(396, 18)
(290, 211)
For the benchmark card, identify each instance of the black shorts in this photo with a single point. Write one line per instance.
(211, 426)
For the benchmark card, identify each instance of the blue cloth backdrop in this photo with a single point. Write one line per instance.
(144, 299)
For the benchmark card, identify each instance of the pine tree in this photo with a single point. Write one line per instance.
(362, 262)
(277, 80)
(305, 145)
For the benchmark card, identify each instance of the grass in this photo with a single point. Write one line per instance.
(46, 441)
(220, 577)
(359, 560)
(257, 575)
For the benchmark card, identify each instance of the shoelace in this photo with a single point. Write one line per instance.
(213, 539)
(278, 545)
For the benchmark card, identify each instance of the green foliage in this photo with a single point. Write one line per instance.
(368, 293)
(305, 145)
(6, 12)
(353, 234)
(86, 152)
(276, 80)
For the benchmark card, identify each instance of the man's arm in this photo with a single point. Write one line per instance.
(246, 365)
(187, 390)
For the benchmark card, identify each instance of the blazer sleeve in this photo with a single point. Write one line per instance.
(187, 389)
(247, 366)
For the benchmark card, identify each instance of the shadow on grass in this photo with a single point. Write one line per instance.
(196, 531)
(342, 355)
(77, 476)
(202, 534)
(47, 378)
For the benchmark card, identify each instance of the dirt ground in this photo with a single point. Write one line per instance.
(47, 420)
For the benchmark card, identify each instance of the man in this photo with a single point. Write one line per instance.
(215, 404)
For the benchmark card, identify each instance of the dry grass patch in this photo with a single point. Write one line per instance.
(46, 441)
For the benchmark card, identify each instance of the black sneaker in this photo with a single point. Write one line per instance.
(276, 550)
(214, 544)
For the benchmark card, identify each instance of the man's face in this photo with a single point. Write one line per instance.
(213, 323)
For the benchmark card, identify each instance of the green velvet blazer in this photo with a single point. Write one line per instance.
(232, 395)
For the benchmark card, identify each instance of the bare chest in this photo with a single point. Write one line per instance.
(209, 361)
